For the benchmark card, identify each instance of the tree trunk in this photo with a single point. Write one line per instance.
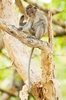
(43, 87)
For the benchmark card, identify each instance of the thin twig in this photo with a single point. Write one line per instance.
(50, 32)
(8, 92)
(7, 67)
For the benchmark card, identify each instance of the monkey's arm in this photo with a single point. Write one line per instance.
(41, 24)
(40, 19)
(38, 23)
(27, 26)
(24, 26)
(21, 26)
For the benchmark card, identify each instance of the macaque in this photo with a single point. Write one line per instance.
(36, 23)
(37, 27)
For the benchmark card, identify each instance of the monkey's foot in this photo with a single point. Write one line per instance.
(31, 36)
(20, 29)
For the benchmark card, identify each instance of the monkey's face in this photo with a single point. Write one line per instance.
(30, 11)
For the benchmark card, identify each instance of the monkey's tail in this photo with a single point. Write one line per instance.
(29, 69)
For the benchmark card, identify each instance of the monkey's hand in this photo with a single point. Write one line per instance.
(20, 29)
(22, 23)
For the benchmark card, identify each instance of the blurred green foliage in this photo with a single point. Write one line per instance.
(4, 62)
(60, 5)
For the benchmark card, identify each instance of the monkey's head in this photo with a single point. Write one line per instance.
(31, 10)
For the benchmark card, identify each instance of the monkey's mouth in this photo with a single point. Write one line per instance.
(30, 13)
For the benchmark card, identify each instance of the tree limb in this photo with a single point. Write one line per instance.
(12, 30)
(59, 22)
(8, 92)
(44, 46)
(50, 31)
(21, 7)
(59, 32)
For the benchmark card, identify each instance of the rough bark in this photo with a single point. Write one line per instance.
(6, 11)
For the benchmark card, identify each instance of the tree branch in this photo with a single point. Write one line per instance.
(8, 92)
(54, 11)
(12, 30)
(21, 7)
(59, 22)
(50, 31)
(59, 32)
